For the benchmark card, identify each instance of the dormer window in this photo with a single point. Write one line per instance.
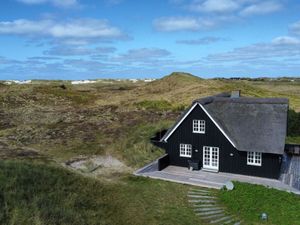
(199, 126)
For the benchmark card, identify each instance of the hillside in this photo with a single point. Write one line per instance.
(35, 193)
(75, 128)
(60, 120)
(183, 88)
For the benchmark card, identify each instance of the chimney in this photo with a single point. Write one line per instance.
(235, 94)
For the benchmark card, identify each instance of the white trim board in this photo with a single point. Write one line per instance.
(190, 110)
(183, 118)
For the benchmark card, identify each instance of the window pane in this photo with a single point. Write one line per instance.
(199, 126)
(185, 150)
(254, 158)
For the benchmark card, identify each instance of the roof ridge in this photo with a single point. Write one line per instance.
(252, 100)
(226, 97)
(209, 99)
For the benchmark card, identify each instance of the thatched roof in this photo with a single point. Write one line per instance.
(252, 124)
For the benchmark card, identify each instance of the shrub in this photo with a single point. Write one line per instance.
(293, 123)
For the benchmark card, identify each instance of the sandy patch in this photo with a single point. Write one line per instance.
(101, 166)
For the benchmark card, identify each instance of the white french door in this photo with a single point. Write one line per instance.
(211, 158)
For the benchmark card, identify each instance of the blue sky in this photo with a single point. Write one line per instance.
(87, 39)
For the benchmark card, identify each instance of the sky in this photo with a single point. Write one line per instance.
(89, 39)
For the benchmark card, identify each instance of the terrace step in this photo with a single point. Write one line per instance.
(204, 205)
(207, 209)
(210, 212)
(200, 190)
(221, 219)
(199, 193)
(206, 183)
(213, 216)
(228, 221)
(202, 196)
(202, 201)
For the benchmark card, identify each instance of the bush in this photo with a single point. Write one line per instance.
(293, 123)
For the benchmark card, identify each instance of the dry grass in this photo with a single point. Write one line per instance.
(60, 120)
(55, 121)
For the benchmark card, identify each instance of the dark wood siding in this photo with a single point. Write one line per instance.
(230, 159)
(163, 162)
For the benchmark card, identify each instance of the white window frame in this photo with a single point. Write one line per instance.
(254, 158)
(199, 126)
(185, 150)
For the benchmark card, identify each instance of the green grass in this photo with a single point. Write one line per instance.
(111, 118)
(183, 77)
(159, 105)
(154, 105)
(39, 194)
(293, 140)
(75, 97)
(136, 148)
(248, 201)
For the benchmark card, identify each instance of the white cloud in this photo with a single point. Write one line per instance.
(76, 51)
(281, 47)
(37, 58)
(261, 8)
(73, 41)
(215, 6)
(214, 13)
(143, 54)
(295, 28)
(200, 41)
(181, 24)
(286, 40)
(80, 29)
(243, 7)
(67, 51)
(87, 64)
(4, 60)
(58, 3)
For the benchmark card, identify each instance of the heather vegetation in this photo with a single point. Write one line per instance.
(46, 125)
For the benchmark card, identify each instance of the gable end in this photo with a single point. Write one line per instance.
(169, 133)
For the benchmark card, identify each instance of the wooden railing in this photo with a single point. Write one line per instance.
(293, 149)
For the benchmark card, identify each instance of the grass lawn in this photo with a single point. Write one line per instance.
(249, 201)
(293, 140)
(41, 194)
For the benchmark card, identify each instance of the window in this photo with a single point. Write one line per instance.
(185, 150)
(199, 126)
(254, 158)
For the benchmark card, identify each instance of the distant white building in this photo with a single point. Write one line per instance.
(9, 82)
(149, 80)
(83, 82)
(134, 80)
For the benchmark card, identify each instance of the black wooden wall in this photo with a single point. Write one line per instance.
(213, 137)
